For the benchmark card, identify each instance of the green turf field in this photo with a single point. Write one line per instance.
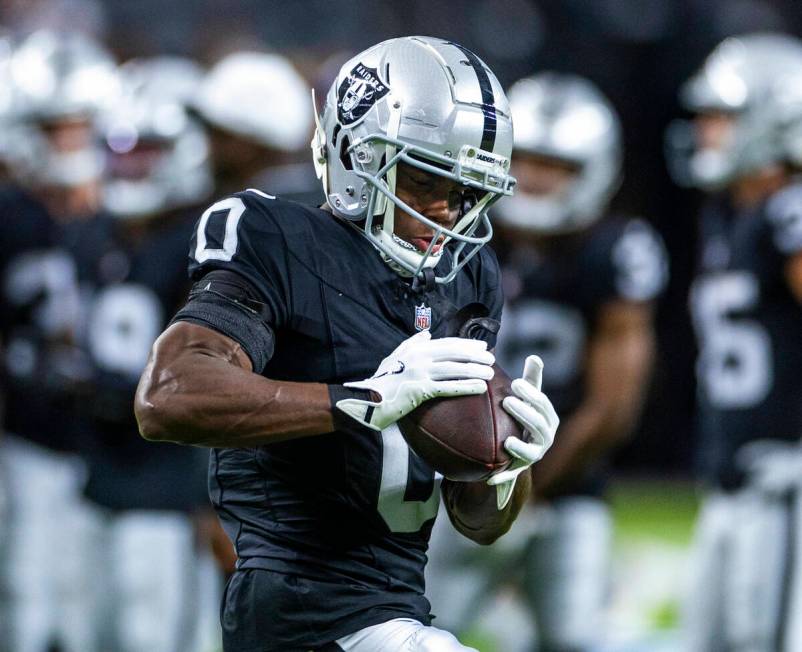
(653, 521)
(659, 509)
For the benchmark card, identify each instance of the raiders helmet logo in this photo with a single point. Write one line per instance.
(359, 91)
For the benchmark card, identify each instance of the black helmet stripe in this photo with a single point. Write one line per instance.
(488, 99)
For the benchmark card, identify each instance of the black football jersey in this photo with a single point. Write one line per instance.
(44, 267)
(351, 508)
(143, 283)
(81, 308)
(554, 295)
(749, 328)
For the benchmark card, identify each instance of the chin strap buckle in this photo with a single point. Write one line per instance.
(424, 282)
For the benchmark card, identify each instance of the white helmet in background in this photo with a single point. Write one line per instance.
(566, 119)
(258, 96)
(158, 156)
(60, 78)
(9, 129)
(433, 105)
(755, 78)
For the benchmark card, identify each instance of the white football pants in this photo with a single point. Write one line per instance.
(744, 590)
(154, 596)
(556, 556)
(567, 572)
(401, 635)
(46, 593)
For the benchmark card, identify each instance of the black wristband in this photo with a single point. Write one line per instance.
(340, 392)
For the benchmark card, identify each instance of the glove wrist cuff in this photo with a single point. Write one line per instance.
(339, 393)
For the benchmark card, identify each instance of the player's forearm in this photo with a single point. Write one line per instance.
(473, 510)
(198, 389)
(618, 375)
(583, 438)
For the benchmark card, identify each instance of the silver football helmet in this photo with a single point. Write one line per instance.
(59, 78)
(157, 155)
(567, 119)
(9, 128)
(258, 96)
(755, 78)
(433, 105)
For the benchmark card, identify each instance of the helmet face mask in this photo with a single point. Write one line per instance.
(60, 82)
(472, 229)
(157, 155)
(750, 84)
(422, 117)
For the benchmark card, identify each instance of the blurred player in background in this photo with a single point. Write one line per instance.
(258, 111)
(580, 286)
(742, 149)
(147, 553)
(51, 234)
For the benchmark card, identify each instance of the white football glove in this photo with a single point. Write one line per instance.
(533, 410)
(419, 369)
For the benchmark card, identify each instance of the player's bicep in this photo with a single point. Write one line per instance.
(226, 303)
(793, 275)
(183, 340)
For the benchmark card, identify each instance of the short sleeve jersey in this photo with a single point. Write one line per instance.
(353, 508)
(44, 267)
(748, 325)
(554, 296)
(141, 284)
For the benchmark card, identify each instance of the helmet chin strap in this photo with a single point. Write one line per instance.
(425, 281)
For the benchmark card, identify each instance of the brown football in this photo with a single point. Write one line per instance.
(463, 437)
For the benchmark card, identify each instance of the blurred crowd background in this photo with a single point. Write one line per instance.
(638, 52)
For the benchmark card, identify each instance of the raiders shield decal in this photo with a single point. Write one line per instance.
(358, 92)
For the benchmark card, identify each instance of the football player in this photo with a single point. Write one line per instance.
(311, 331)
(740, 150)
(157, 174)
(52, 237)
(257, 110)
(580, 285)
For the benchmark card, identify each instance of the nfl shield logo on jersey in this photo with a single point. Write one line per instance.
(423, 317)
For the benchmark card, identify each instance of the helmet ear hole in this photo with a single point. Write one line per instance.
(345, 156)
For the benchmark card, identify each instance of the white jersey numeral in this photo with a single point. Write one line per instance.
(735, 363)
(125, 321)
(554, 332)
(234, 209)
(48, 280)
(399, 514)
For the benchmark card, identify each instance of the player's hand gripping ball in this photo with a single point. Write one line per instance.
(493, 436)
(419, 370)
(463, 437)
(533, 410)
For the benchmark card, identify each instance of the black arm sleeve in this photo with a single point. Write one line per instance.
(227, 303)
